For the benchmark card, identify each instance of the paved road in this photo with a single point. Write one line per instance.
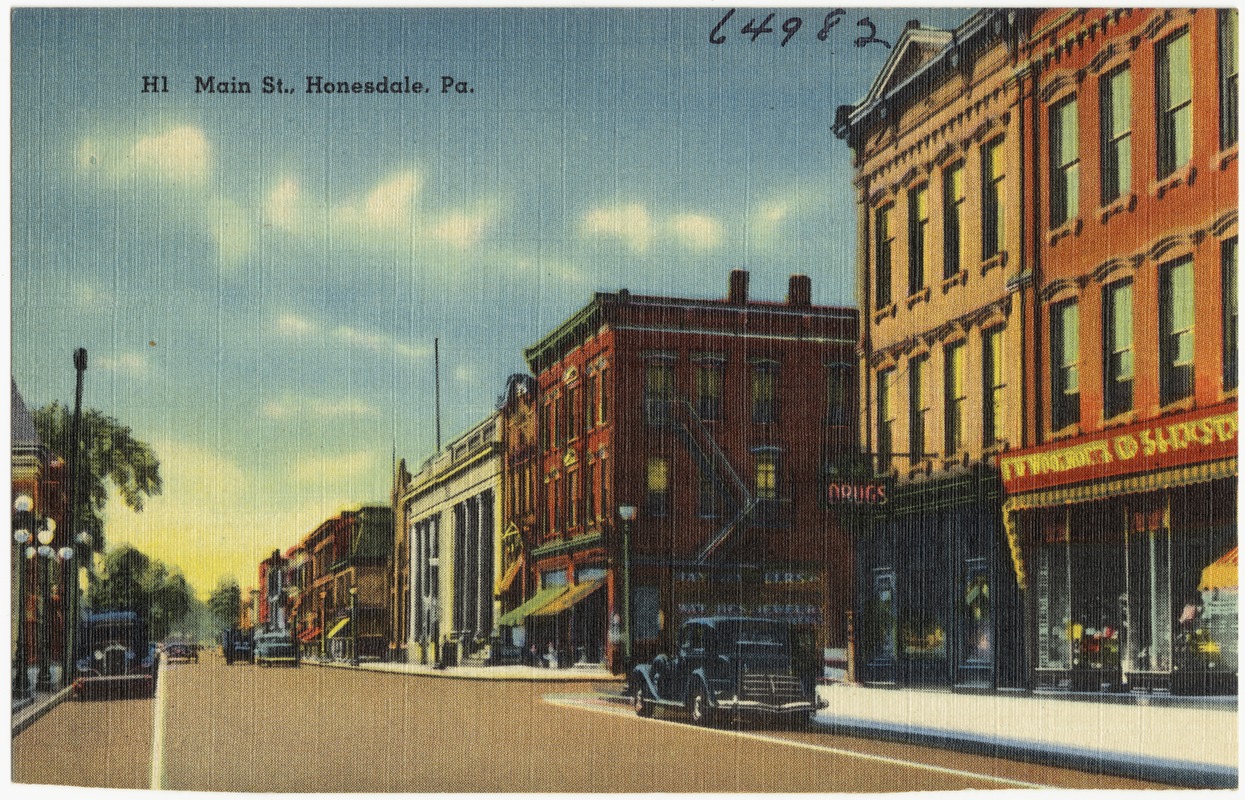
(245, 729)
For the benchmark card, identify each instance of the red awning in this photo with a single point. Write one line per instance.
(308, 635)
(1221, 574)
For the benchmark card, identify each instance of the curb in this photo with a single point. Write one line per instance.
(31, 714)
(562, 676)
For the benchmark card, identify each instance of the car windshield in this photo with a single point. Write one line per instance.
(757, 635)
(102, 633)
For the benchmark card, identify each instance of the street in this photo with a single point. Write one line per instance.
(244, 728)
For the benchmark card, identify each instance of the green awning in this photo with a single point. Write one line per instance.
(337, 629)
(578, 592)
(517, 615)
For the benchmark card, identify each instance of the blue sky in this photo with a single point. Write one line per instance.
(259, 278)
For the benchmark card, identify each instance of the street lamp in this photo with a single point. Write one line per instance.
(23, 521)
(324, 626)
(68, 570)
(45, 537)
(627, 513)
(354, 628)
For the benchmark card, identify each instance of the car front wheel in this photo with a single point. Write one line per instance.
(699, 708)
(641, 702)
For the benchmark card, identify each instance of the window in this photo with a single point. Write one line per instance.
(767, 475)
(917, 407)
(575, 408)
(707, 505)
(590, 492)
(765, 392)
(886, 418)
(590, 401)
(572, 499)
(658, 476)
(555, 504)
(954, 398)
(1065, 347)
(547, 428)
(709, 390)
(882, 255)
(658, 389)
(1228, 81)
(1228, 255)
(1175, 102)
(603, 399)
(1115, 102)
(918, 228)
(1117, 348)
(953, 219)
(994, 387)
(992, 199)
(1176, 331)
(838, 398)
(561, 420)
(1065, 162)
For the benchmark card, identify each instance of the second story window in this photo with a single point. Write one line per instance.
(1065, 162)
(993, 199)
(1229, 82)
(765, 392)
(952, 219)
(1174, 79)
(1065, 349)
(994, 387)
(882, 240)
(1117, 346)
(918, 407)
(1176, 303)
(838, 394)
(658, 389)
(918, 232)
(955, 397)
(1115, 99)
(886, 418)
(590, 492)
(658, 485)
(575, 410)
(709, 389)
(707, 501)
(1227, 255)
(767, 475)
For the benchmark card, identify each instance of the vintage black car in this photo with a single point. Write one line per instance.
(236, 645)
(276, 648)
(113, 656)
(727, 666)
(179, 650)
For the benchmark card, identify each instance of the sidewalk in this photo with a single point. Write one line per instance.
(1189, 742)
(513, 672)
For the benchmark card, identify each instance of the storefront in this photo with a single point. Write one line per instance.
(1128, 544)
(937, 601)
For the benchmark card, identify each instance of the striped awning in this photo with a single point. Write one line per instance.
(543, 597)
(576, 593)
(337, 629)
(1221, 574)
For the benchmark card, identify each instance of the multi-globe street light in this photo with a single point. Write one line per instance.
(45, 537)
(354, 628)
(23, 521)
(627, 513)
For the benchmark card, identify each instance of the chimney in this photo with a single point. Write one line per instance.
(800, 291)
(737, 291)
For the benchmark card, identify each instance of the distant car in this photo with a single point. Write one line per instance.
(727, 665)
(275, 648)
(181, 651)
(113, 656)
(236, 645)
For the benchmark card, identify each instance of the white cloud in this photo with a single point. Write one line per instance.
(314, 407)
(388, 205)
(332, 468)
(460, 229)
(295, 326)
(771, 217)
(133, 364)
(696, 231)
(281, 206)
(180, 154)
(629, 222)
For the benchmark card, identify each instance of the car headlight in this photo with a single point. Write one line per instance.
(99, 655)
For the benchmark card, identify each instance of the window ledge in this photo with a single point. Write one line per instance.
(996, 260)
(1177, 406)
(994, 450)
(1070, 228)
(1121, 204)
(1226, 157)
(884, 312)
(920, 297)
(923, 466)
(1227, 394)
(959, 460)
(958, 279)
(1066, 432)
(1185, 176)
(1123, 418)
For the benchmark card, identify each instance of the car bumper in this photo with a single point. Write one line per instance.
(92, 683)
(756, 706)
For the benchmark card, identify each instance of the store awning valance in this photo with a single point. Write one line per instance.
(309, 635)
(339, 628)
(508, 578)
(577, 593)
(1222, 574)
(541, 598)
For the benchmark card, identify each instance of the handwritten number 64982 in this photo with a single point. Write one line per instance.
(793, 24)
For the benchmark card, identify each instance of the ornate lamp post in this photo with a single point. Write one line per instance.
(324, 626)
(77, 558)
(23, 521)
(45, 537)
(627, 513)
(354, 628)
(68, 577)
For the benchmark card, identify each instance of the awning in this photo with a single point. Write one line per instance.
(336, 630)
(309, 635)
(543, 597)
(508, 577)
(577, 592)
(1221, 574)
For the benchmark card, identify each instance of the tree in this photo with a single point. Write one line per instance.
(110, 455)
(225, 603)
(131, 581)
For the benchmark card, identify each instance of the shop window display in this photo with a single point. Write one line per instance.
(976, 611)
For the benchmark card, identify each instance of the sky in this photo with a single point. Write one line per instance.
(259, 278)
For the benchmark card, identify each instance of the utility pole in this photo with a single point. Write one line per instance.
(75, 479)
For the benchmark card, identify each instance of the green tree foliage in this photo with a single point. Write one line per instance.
(110, 455)
(225, 603)
(131, 581)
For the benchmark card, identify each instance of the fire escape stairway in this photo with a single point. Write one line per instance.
(700, 440)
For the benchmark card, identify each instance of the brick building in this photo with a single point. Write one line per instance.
(712, 423)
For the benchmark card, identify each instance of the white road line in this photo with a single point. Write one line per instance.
(585, 706)
(157, 728)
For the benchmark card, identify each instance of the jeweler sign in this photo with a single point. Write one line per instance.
(855, 493)
(1190, 438)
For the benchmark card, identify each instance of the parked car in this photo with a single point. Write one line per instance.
(275, 648)
(727, 665)
(113, 657)
(178, 650)
(236, 645)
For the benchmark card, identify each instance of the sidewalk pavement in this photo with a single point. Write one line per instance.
(594, 673)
